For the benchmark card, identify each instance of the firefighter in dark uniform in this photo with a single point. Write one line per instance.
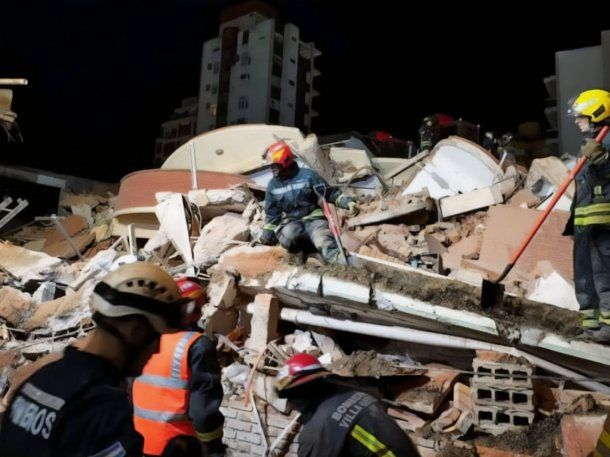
(75, 403)
(590, 221)
(337, 420)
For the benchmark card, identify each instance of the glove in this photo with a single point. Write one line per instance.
(352, 209)
(268, 238)
(593, 151)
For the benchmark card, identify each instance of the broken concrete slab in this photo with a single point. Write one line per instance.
(136, 201)
(217, 236)
(350, 163)
(381, 210)
(232, 149)
(470, 201)
(455, 165)
(263, 326)
(506, 227)
(221, 290)
(406, 420)
(14, 305)
(426, 394)
(24, 264)
(579, 434)
(372, 252)
(253, 261)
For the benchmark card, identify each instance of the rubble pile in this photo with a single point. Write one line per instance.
(403, 321)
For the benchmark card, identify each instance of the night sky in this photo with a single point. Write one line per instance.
(105, 74)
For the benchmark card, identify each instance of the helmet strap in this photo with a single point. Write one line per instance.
(131, 350)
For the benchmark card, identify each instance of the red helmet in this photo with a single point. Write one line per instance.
(298, 370)
(193, 291)
(280, 153)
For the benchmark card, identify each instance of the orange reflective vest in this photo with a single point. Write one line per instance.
(161, 395)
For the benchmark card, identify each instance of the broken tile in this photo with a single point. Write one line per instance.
(580, 434)
(221, 290)
(380, 211)
(470, 201)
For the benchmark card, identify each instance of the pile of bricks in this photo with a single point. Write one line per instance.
(502, 392)
(242, 434)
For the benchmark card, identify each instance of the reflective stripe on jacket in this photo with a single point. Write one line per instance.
(160, 394)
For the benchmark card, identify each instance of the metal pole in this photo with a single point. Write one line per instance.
(194, 167)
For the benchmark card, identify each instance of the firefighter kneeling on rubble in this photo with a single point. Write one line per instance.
(73, 403)
(591, 218)
(292, 208)
(337, 420)
(177, 398)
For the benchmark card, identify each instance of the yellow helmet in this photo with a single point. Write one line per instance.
(595, 104)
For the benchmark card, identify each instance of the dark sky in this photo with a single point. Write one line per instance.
(104, 74)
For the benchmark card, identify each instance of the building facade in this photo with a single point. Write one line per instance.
(257, 70)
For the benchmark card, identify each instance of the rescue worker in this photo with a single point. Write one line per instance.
(590, 221)
(292, 208)
(74, 403)
(426, 135)
(178, 396)
(337, 420)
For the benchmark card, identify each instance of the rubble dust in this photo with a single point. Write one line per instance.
(537, 440)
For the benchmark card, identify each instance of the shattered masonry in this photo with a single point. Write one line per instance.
(404, 319)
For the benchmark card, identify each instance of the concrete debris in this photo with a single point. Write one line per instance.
(24, 264)
(405, 208)
(217, 236)
(426, 394)
(579, 434)
(430, 228)
(455, 166)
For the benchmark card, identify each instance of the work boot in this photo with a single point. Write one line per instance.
(599, 335)
(315, 260)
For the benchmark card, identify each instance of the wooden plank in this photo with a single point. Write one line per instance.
(470, 201)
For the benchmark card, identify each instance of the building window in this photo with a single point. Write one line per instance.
(242, 103)
(216, 50)
(276, 69)
(290, 105)
(291, 82)
(293, 61)
(244, 76)
(207, 87)
(241, 120)
(245, 37)
(274, 116)
(245, 60)
(213, 109)
(216, 67)
(293, 38)
(209, 66)
(207, 106)
(214, 89)
(276, 92)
